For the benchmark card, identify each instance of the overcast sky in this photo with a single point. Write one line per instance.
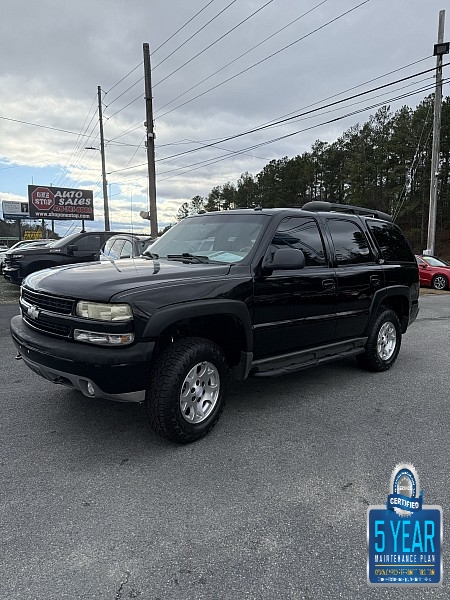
(219, 68)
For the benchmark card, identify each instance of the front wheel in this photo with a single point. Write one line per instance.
(439, 282)
(187, 389)
(383, 344)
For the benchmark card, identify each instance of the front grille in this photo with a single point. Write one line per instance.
(61, 306)
(48, 327)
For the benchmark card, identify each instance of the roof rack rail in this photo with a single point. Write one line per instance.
(322, 206)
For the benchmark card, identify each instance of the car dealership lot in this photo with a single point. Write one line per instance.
(271, 505)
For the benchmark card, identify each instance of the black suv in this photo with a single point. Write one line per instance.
(74, 248)
(238, 293)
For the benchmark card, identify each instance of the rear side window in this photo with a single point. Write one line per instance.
(350, 242)
(391, 242)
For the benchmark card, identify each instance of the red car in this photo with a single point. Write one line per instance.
(433, 272)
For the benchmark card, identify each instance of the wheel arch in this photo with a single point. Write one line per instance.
(225, 322)
(396, 298)
(38, 265)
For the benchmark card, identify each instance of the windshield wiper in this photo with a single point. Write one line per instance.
(188, 257)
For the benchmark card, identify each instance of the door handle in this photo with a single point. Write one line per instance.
(375, 280)
(328, 284)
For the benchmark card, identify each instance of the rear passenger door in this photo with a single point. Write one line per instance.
(295, 309)
(359, 276)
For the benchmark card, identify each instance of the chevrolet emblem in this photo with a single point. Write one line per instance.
(33, 312)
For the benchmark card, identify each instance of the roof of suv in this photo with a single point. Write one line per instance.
(315, 206)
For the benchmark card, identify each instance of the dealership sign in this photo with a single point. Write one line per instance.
(15, 210)
(60, 203)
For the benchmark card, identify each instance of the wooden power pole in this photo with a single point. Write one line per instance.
(102, 152)
(439, 49)
(150, 143)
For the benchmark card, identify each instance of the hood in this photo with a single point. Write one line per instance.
(102, 280)
(29, 251)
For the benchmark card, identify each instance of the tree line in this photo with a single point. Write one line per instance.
(384, 164)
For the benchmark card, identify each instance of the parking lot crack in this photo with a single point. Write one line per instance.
(122, 585)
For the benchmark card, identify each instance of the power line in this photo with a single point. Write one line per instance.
(413, 167)
(327, 112)
(336, 119)
(124, 77)
(242, 55)
(191, 59)
(123, 107)
(123, 93)
(196, 33)
(42, 126)
(158, 48)
(182, 27)
(260, 61)
(284, 120)
(245, 150)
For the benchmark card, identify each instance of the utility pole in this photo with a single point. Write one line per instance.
(102, 151)
(150, 144)
(439, 49)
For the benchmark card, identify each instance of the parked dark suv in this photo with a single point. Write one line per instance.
(74, 248)
(224, 294)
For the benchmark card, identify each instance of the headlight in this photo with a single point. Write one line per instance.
(13, 256)
(104, 312)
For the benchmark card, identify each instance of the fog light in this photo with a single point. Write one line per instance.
(90, 389)
(103, 339)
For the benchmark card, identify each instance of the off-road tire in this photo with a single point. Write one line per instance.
(169, 374)
(383, 343)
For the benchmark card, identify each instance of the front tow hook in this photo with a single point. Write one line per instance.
(18, 357)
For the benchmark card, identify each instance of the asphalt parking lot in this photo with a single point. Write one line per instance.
(271, 505)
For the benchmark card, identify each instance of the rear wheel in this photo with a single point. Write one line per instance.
(439, 282)
(383, 343)
(188, 385)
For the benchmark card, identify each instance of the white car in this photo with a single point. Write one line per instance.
(3, 251)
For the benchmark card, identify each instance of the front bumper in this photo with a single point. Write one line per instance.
(12, 274)
(119, 374)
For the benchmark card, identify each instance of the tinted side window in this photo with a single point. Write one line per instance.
(88, 243)
(391, 241)
(350, 242)
(301, 233)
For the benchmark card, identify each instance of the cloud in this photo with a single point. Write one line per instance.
(244, 72)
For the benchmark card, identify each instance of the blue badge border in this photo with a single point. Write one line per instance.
(404, 585)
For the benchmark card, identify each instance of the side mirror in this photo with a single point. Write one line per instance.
(71, 248)
(284, 259)
(422, 266)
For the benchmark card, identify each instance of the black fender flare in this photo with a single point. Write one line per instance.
(381, 296)
(163, 317)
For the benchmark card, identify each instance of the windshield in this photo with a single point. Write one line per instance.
(226, 239)
(63, 241)
(434, 262)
